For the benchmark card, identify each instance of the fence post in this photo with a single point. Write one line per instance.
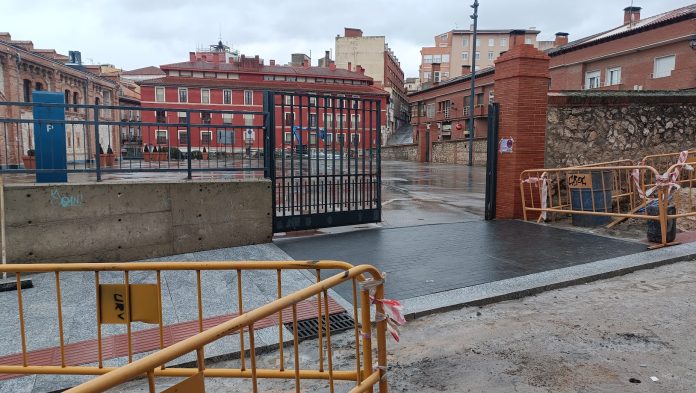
(663, 203)
(97, 145)
(188, 143)
(492, 163)
(379, 159)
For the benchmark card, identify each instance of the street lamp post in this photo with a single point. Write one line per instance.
(473, 84)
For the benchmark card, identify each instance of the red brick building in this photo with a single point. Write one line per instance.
(219, 79)
(441, 112)
(655, 53)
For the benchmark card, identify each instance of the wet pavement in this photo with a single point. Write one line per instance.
(433, 237)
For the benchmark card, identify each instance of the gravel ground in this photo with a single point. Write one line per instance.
(607, 336)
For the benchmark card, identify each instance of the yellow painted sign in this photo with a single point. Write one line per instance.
(579, 180)
(194, 384)
(143, 303)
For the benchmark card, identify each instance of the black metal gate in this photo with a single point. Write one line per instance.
(323, 158)
(491, 160)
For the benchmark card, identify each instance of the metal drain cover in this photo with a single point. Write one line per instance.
(309, 328)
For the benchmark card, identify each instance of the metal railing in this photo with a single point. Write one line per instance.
(137, 304)
(618, 190)
(169, 139)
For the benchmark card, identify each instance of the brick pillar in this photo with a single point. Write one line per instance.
(521, 89)
(424, 144)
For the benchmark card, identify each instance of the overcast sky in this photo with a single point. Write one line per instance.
(137, 33)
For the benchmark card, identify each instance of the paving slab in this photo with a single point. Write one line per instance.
(428, 259)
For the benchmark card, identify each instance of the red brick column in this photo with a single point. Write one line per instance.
(521, 89)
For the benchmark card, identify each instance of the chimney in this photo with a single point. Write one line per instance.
(466, 69)
(306, 63)
(631, 15)
(561, 39)
(332, 65)
(272, 62)
(516, 38)
(192, 56)
(359, 70)
(75, 57)
(5, 36)
(350, 66)
(351, 32)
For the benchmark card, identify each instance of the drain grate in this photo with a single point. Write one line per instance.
(309, 328)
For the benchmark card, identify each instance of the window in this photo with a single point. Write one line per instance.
(66, 99)
(248, 120)
(225, 137)
(491, 97)
(445, 75)
(289, 118)
(478, 55)
(183, 94)
(161, 116)
(248, 97)
(312, 119)
(205, 117)
(592, 80)
(479, 99)
(268, 77)
(503, 42)
(227, 118)
(205, 96)
(39, 86)
(183, 140)
(355, 121)
(75, 99)
(437, 59)
(465, 56)
(341, 138)
(96, 100)
(427, 59)
(159, 94)
(328, 101)
(227, 97)
(289, 100)
(312, 138)
(431, 110)
(287, 137)
(27, 90)
(491, 42)
(312, 100)
(465, 42)
(355, 138)
(328, 120)
(161, 137)
(528, 41)
(445, 58)
(443, 36)
(663, 66)
(206, 137)
(613, 76)
(426, 76)
(490, 55)
(478, 42)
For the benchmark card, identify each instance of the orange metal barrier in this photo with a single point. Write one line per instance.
(621, 192)
(143, 302)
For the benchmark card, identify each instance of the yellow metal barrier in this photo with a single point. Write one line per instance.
(621, 192)
(127, 302)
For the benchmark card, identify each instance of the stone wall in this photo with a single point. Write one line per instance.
(585, 128)
(400, 152)
(457, 152)
(115, 222)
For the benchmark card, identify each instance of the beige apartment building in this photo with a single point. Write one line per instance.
(453, 51)
(374, 55)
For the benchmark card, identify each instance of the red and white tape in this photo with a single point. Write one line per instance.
(544, 191)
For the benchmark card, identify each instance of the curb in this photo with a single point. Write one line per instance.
(519, 287)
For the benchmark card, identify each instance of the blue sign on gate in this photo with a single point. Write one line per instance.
(49, 138)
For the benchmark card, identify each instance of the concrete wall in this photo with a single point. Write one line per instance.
(400, 152)
(366, 51)
(457, 152)
(128, 221)
(585, 128)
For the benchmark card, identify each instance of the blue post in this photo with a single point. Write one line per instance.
(49, 138)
